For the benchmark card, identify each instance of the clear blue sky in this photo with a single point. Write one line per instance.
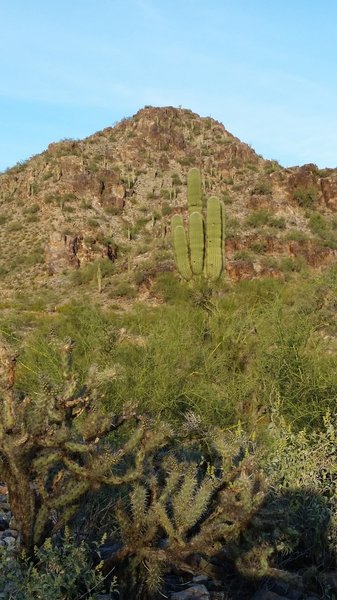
(266, 69)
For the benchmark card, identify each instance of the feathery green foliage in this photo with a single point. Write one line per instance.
(59, 572)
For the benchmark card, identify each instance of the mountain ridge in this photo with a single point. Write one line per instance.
(111, 196)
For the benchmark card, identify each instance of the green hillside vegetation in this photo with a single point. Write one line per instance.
(162, 414)
(256, 359)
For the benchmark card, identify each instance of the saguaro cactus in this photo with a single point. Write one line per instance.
(202, 251)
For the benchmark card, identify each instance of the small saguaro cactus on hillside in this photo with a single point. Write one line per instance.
(201, 251)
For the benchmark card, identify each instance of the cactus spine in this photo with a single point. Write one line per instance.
(202, 251)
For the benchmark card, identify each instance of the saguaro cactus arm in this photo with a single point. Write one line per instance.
(194, 190)
(181, 251)
(214, 238)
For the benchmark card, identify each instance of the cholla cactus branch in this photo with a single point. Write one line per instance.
(49, 458)
(179, 511)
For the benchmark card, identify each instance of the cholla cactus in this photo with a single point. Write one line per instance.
(182, 509)
(200, 251)
(51, 455)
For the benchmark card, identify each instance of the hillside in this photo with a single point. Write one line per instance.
(111, 196)
(185, 430)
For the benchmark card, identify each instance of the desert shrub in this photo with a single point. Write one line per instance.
(169, 287)
(232, 227)
(33, 258)
(176, 179)
(138, 226)
(113, 210)
(92, 223)
(271, 166)
(14, 226)
(262, 188)
(5, 218)
(87, 274)
(61, 570)
(187, 160)
(139, 277)
(301, 468)
(306, 196)
(242, 255)
(262, 217)
(296, 235)
(323, 228)
(258, 217)
(165, 193)
(291, 265)
(277, 222)
(261, 338)
(122, 289)
(31, 210)
(166, 208)
(259, 246)
(86, 204)
(317, 224)
(226, 198)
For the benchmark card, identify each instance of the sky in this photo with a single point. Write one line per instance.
(265, 69)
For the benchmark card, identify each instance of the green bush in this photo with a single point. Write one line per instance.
(176, 179)
(122, 289)
(31, 210)
(93, 223)
(306, 196)
(318, 225)
(258, 217)
(5, 218)
(87, 273)
(166, 207)
(262, 188)
(296, 235)
(61, 570)
(262, 216)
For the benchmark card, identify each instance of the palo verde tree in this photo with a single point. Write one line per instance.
(52, 451)
(201, 250)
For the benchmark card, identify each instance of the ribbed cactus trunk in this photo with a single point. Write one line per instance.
(203, 250)
(197, 242)
(214, 239)
(182, 255)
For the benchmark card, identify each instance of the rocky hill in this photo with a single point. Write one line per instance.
(111, 195)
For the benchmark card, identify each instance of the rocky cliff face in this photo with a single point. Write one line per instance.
(111, 195)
